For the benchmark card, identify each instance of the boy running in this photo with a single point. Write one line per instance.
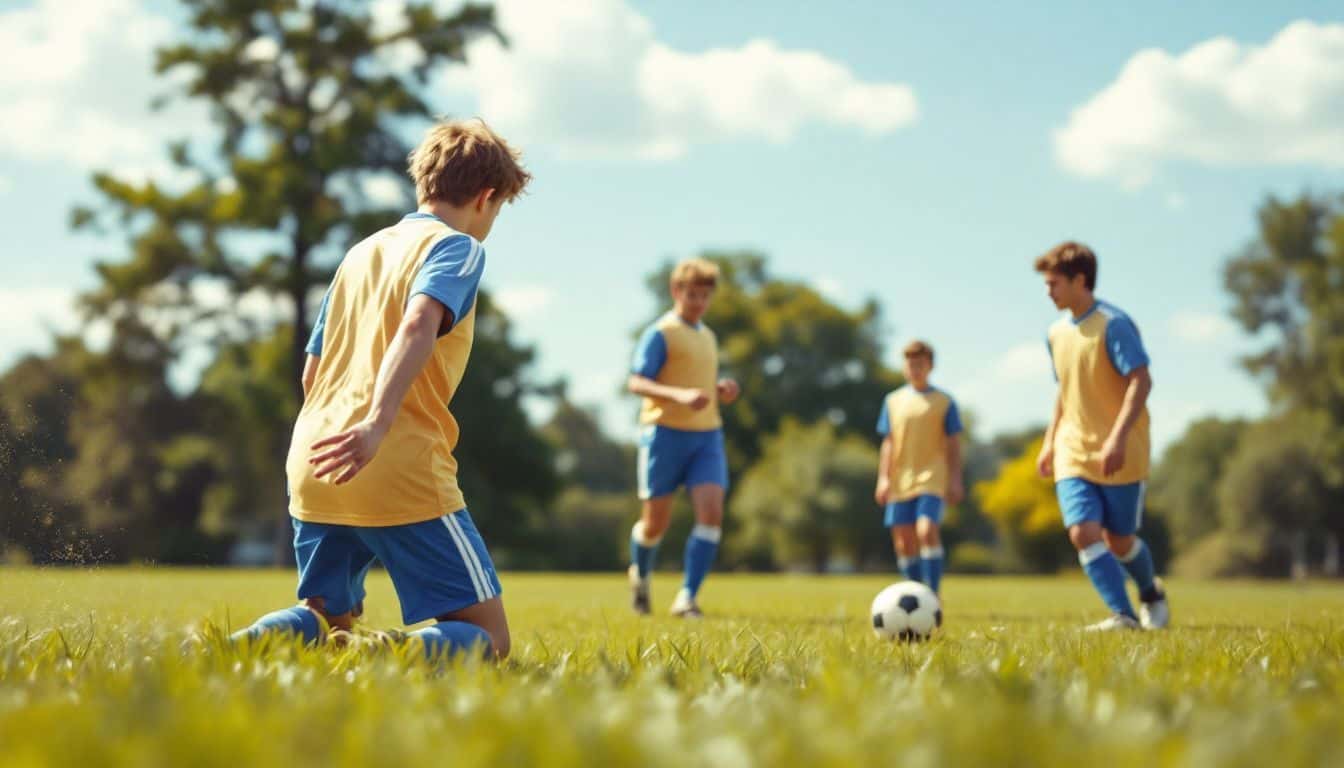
(676, 371)
(920, 467)
(371, 468)
(1096, 446)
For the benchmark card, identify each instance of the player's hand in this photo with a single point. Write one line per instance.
(1045, 462)
(1112, 455)
(695, 399)
(728, 391)
(882, 492)
(345, 454)
(956, 491)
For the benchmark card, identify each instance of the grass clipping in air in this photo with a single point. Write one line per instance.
(96, 668)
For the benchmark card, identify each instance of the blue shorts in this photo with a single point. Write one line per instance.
(437, 566)
(670, 458)
(1119, 508)
(906, 512)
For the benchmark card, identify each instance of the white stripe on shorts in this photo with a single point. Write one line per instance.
(463, 547)
(474, 559)
(642, 470)
(1138, 513)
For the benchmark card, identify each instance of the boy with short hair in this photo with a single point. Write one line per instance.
(676, 371)
(371, 469)
(1097, 444)
(920, 469)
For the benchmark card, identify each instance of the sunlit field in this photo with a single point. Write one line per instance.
(97, 668)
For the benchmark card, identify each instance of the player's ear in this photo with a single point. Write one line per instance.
(484, 199)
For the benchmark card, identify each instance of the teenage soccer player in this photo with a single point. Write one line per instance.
(1096, 446)
(676, 371)
(371, 468)
(919, 468)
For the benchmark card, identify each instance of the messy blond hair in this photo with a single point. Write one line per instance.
(697, 271)
(1070, 259)
(459, 158)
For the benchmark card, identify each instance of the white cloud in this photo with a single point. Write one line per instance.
(58, 105)
(1175, 201)
(1200, 327)
(831, 287)
(1028, 360)
(1220, 103)
(523, 300)
(591, 79)
(30, 316)
(385, 189)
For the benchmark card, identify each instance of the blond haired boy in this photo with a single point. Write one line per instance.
(371, 468)
(676, 371)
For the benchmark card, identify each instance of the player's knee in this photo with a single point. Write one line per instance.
(1084, 536)
(500, 644)
(649, 532)
(345, 621)
(1120, 546)
(928, 535)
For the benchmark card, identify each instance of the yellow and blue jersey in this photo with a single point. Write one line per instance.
(413, 477)
(676, 353)
(920, 424)
(1093, 357)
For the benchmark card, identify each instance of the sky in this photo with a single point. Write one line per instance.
(916, 154)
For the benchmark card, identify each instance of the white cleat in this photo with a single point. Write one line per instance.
(1155, 614)
(685, 607)
(1116, 623)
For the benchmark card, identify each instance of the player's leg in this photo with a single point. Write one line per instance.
(327, 556)
(707, 479)
(900, 520)
(441, 570)
(1120, 526)
(928, 520)
(645, 537)
(1082, 506)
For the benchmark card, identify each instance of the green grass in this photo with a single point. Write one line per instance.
(785, 672)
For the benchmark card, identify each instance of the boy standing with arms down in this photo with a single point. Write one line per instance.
(1097, 444)
(371, 468)
(676, 371)
(920, 467)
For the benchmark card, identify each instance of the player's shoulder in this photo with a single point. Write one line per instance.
(1062, 324)
(1114, 315)
(941, 395)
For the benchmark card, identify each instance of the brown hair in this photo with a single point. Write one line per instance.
(919, 349)
(1070, 259)
(460, 158)
(695, 272)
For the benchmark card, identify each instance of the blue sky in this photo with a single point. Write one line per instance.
(916, 154)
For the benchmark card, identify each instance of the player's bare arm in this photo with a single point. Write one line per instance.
(728, 391)
(883, 482)
(1136, 397)
(1045, 461)
(350, 451)
(956, 488)
(696, 399)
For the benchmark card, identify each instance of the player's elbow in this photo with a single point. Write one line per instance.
(635, 384)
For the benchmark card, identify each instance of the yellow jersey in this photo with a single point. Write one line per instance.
(919, 424)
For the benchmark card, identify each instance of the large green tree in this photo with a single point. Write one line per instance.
(1184, 488)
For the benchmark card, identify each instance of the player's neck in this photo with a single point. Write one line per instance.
(1083, 305)
(685, 317)
(461, 218)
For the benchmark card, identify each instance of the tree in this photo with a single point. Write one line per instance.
(809, 499)
(1023, 507)
(307, 100)
(796, 354)
(1184, 488)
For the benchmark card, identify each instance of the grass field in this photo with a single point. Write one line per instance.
(785, 672)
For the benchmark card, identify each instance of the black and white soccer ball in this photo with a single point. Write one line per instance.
(906, 611)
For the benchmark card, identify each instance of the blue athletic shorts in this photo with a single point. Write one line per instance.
(670, 458)
(1119, 508)
(905, 512)
(437, 566)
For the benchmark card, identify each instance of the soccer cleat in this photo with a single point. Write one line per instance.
(685, 607)
(1155, 614)
(1116, 623)
(639, 592)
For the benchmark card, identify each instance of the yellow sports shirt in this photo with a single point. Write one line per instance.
(920, 424)
(413, 477)
(678, 354)
(1093, 357)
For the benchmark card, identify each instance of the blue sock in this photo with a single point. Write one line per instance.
(1139, 563)
(911, 567)
(643, 550)
(701, 548)
(292, 621)
(1108, 576)
(449, 638)
(931, 560)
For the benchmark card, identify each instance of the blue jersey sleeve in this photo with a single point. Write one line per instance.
(952, 420)
(314, 347)
(1124, 346)
(451, 275)
(883, 421)
(650, 354)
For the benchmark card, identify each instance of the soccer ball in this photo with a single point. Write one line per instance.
(906, 611)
